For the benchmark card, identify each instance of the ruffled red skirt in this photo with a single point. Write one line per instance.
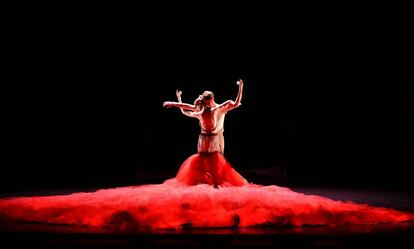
(209, 168)
(207, 192)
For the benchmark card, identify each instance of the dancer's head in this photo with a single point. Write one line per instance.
(208, 98)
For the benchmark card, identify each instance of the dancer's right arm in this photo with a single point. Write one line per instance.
(186, 112)
(192, 114)
(184, 106)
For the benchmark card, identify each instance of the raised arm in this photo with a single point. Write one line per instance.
(184, 106)
(230, 104)
(186, 109)
(239, 94)
(183, 111)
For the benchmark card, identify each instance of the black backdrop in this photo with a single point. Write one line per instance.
(325, 93)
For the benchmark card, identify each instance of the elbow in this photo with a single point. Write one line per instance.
(235, 105)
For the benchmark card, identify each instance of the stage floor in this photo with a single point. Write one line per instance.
(395, 235)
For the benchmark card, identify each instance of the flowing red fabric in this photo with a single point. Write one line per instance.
(209, 168)
(207, 192)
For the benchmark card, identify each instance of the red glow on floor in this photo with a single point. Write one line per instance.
(172, 204)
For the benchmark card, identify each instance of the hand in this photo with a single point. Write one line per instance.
(240, 82)
(178, 93)
(167, 104)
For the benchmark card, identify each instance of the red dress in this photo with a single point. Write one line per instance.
(209, 168)
(209, 165)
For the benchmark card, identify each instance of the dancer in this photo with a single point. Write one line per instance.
(209, 165)
(206, 192)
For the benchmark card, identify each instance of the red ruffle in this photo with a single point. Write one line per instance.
(209, 168)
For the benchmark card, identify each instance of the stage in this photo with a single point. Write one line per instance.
(325, 111)
(395, 235)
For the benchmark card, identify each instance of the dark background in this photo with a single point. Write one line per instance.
(326, 93)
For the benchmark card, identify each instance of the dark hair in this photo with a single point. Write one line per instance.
(207, 95)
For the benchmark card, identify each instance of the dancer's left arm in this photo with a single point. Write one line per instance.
(230, 104)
